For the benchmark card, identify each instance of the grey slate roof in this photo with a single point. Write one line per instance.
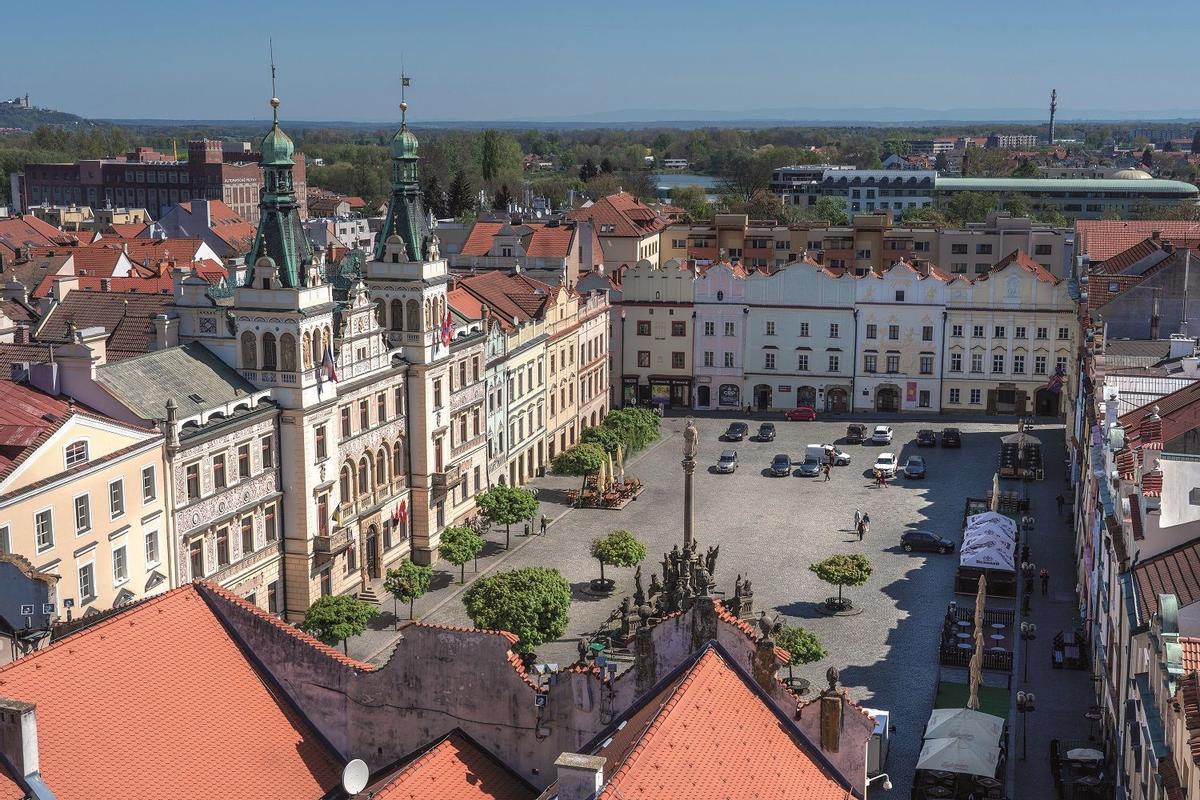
(146, 382)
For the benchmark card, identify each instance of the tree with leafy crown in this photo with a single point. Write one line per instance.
(407, 581)
(619, 548)
(533, 603)
(506, 505)
(335, 618)
(458, 546)
(843, 569)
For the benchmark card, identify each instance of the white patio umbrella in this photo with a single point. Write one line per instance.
(992, 519)
(964, 723)
(995, 503)
(959, 755)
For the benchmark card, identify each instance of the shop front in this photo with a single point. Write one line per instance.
(668, 391)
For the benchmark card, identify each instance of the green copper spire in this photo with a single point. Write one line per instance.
(406, 211)
(280, 235)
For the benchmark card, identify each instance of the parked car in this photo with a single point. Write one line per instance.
(766, 432)
(914, 467)
(781, 465)
(728, 461)
(926, 438)
(800, 414)
(856, 433)
(886, 464)
(925, 540)
(839, 458)
(810, 467)
(951, 437)
(882, 434)
(736, 432)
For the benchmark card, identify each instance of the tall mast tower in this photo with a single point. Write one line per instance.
(1053, 108)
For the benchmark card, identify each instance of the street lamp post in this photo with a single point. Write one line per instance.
(1025, 707)
(1028, 634)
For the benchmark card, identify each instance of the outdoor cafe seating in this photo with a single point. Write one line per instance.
(963, 756)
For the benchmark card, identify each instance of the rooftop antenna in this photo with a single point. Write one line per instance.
(1053, 108)
(405, 81)
(274, 96)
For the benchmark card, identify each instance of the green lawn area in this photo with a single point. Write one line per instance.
(991, 700)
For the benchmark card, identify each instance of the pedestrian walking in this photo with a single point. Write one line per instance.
(857, 518)
(862, 529)
(827, 468)
(1045, 576)
(543, 532)
(1061, 501)
(878, 479)
(866, 523)
(1024, 554)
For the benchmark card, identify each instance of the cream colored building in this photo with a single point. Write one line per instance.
(656, 323)
(1007, 331)
(83, 497)
(562, 360)
(592, 341)
(629, 231)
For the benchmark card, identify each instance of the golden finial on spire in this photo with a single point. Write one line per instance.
(405, 81)
(274, 96)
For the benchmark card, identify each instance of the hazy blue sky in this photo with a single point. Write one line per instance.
(510, 59)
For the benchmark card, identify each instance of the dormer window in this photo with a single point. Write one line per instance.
(77, 453)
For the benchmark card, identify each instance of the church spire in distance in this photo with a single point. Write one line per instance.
(280, 234)
(406, 210)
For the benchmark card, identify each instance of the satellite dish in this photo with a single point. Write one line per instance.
(355, 776)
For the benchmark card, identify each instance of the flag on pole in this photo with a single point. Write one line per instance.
(329, 365)
(1055, 384)
(447, 330)
(405, 81)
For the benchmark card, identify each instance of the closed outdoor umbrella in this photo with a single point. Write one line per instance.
(963, 756)
(964, 723)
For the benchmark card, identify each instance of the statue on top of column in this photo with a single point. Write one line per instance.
(690, 437)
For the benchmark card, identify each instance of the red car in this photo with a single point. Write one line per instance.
(800, 414)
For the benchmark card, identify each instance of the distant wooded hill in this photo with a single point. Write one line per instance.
(13, 116)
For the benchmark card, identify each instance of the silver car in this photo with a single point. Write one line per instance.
(727, 462)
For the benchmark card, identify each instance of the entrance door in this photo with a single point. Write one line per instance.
(1045, 403)
(887, 398)
(806, 396)
(762, 397)
(702, 396)
(836, 400)
(373, 553)
(679, 395)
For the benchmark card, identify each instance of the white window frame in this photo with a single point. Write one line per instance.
(147, 537)
(955, 396)
(123, 549)
(49, 511)
(111, 484)
(79, 566)
(153, 484)
(87, 452)
(75, 512)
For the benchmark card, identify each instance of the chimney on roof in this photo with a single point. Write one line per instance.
(1151, 428)
(1155, 234)
(166, 332)
(77, 360)
(1182, 346)
(580, 777)
(202, 212)
(18, 737)
(833, 709)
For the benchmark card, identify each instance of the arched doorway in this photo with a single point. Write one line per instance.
(373, 553)
(887, 398)
(762, 397)
(1045, 403)
(806, 396)
(703, 396)
(837, 400)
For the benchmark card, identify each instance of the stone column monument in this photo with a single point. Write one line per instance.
(690, 437)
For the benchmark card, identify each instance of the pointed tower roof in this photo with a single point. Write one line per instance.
(277, 146)
(406, 217)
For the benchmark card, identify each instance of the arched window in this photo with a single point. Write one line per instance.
(306, 347)
(381, 467)
(249, 350)
(347, 485)
(318, 353)
(398, 459)
(397, 315)
(287, 352)
(381, 313)
(414, 316)
(364, 475)
(428, 315)
(268, 361)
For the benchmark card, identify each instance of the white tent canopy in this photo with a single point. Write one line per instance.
(987, 558)
(961, 756)
(990, 521)
(963, 723)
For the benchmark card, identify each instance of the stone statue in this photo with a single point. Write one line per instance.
(434, 247)
(710, 559)
(639, 594)
(655, 586)
(832, 676)
(767, 627)
(690, 437)
(702, 581)
(737, 586)
(584, 648)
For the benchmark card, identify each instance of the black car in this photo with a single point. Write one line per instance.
(925, 540)
(856, 433)
(736, 432)
(914, 467)
(926, 438)
(951, 437)
(781, 465)
(766, 432)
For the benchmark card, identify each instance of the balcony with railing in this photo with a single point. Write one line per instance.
(336, 542)
(263, 554)
(442, 481)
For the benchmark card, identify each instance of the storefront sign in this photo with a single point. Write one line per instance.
(910, 392)
(783, 388)
(729, 395)
(660, 393)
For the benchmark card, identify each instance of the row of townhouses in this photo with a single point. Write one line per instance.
(907, 337)
(300, 431)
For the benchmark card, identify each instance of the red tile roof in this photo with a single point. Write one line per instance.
(98, 259)
(507, 294)
(127, 230)
(23, 232)
(15, 353)
(27, 418)
(715, 738)
(1179, 413)
(1174, 572)
(1189, 688)
(1022, 260)
(227, 225)
(32, 270)
(9, 790)
(455, 768)
(479, 240)
(628, 216)
(208, 722)
(1191, 652)
(1100, 240)
(1128, 257)
(127, 317)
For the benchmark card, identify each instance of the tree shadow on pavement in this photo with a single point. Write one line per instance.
(582, 592)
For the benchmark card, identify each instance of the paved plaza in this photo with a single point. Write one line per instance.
(770, 530)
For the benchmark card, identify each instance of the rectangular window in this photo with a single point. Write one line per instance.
(998, 332)
(870, 363)
(834, 363)
(437, 393)
(997, 362)
(273, 597)
(83, 514)
(958, 249)
(976, 362)
(923, 398)
(87, 582)
(678, 328)
(708, 358)
(243, 452)
(804, 329)
(149, 484)
(326, 583)
(893, 364)
(218, 471)
(926, 365)
(802, 362)
(319, 436)
(956, 330)
(899, 295)
(958, 267)
(1042, 249)
(643, 327)
(1039, 365)
(196, 557)
(193, 481)
(770, 328)
(116, 498)
(247, 535)
(398, 401)
(269, 525)
(983, 249)
(677, 360)
(1064, 333)
(1019, 364)
(120, 567)
(927, 333)
(1019, 332)
(977, 331)
(975, 395)
(5, 541)
(768, 360)
(267, 448)
(345, 412)
(956, 362)
(872, 330)
(729, 329)
(955, 396)
(643, 358)
(893, 332)
(1060, 364)
(151, 548)
(710, 328)
(364, 415)
(728, 360)
(833, 330)
(222, 547)
(77, 453)
(1043, 333)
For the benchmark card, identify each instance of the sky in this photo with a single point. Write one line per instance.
(511, 59)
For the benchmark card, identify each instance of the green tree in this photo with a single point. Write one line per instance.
(407, 581)
(925, 215)
(335, 618)
(435, 198)
(489, 156)
(458, 546)
(533, 603)
(583, 459)
(619, 548)
(1027, 169)
(966, 207)
(692, 200)
(605, 437)
(588, 171)
(1196, 144)
(803, 646)
(844, 569)
(502, 199)
(505, 505)
(460, 199)
(1018, 205)
(606, 165)
(940, 162)
(1052, 216)
(1148, 157)
(637, 427)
